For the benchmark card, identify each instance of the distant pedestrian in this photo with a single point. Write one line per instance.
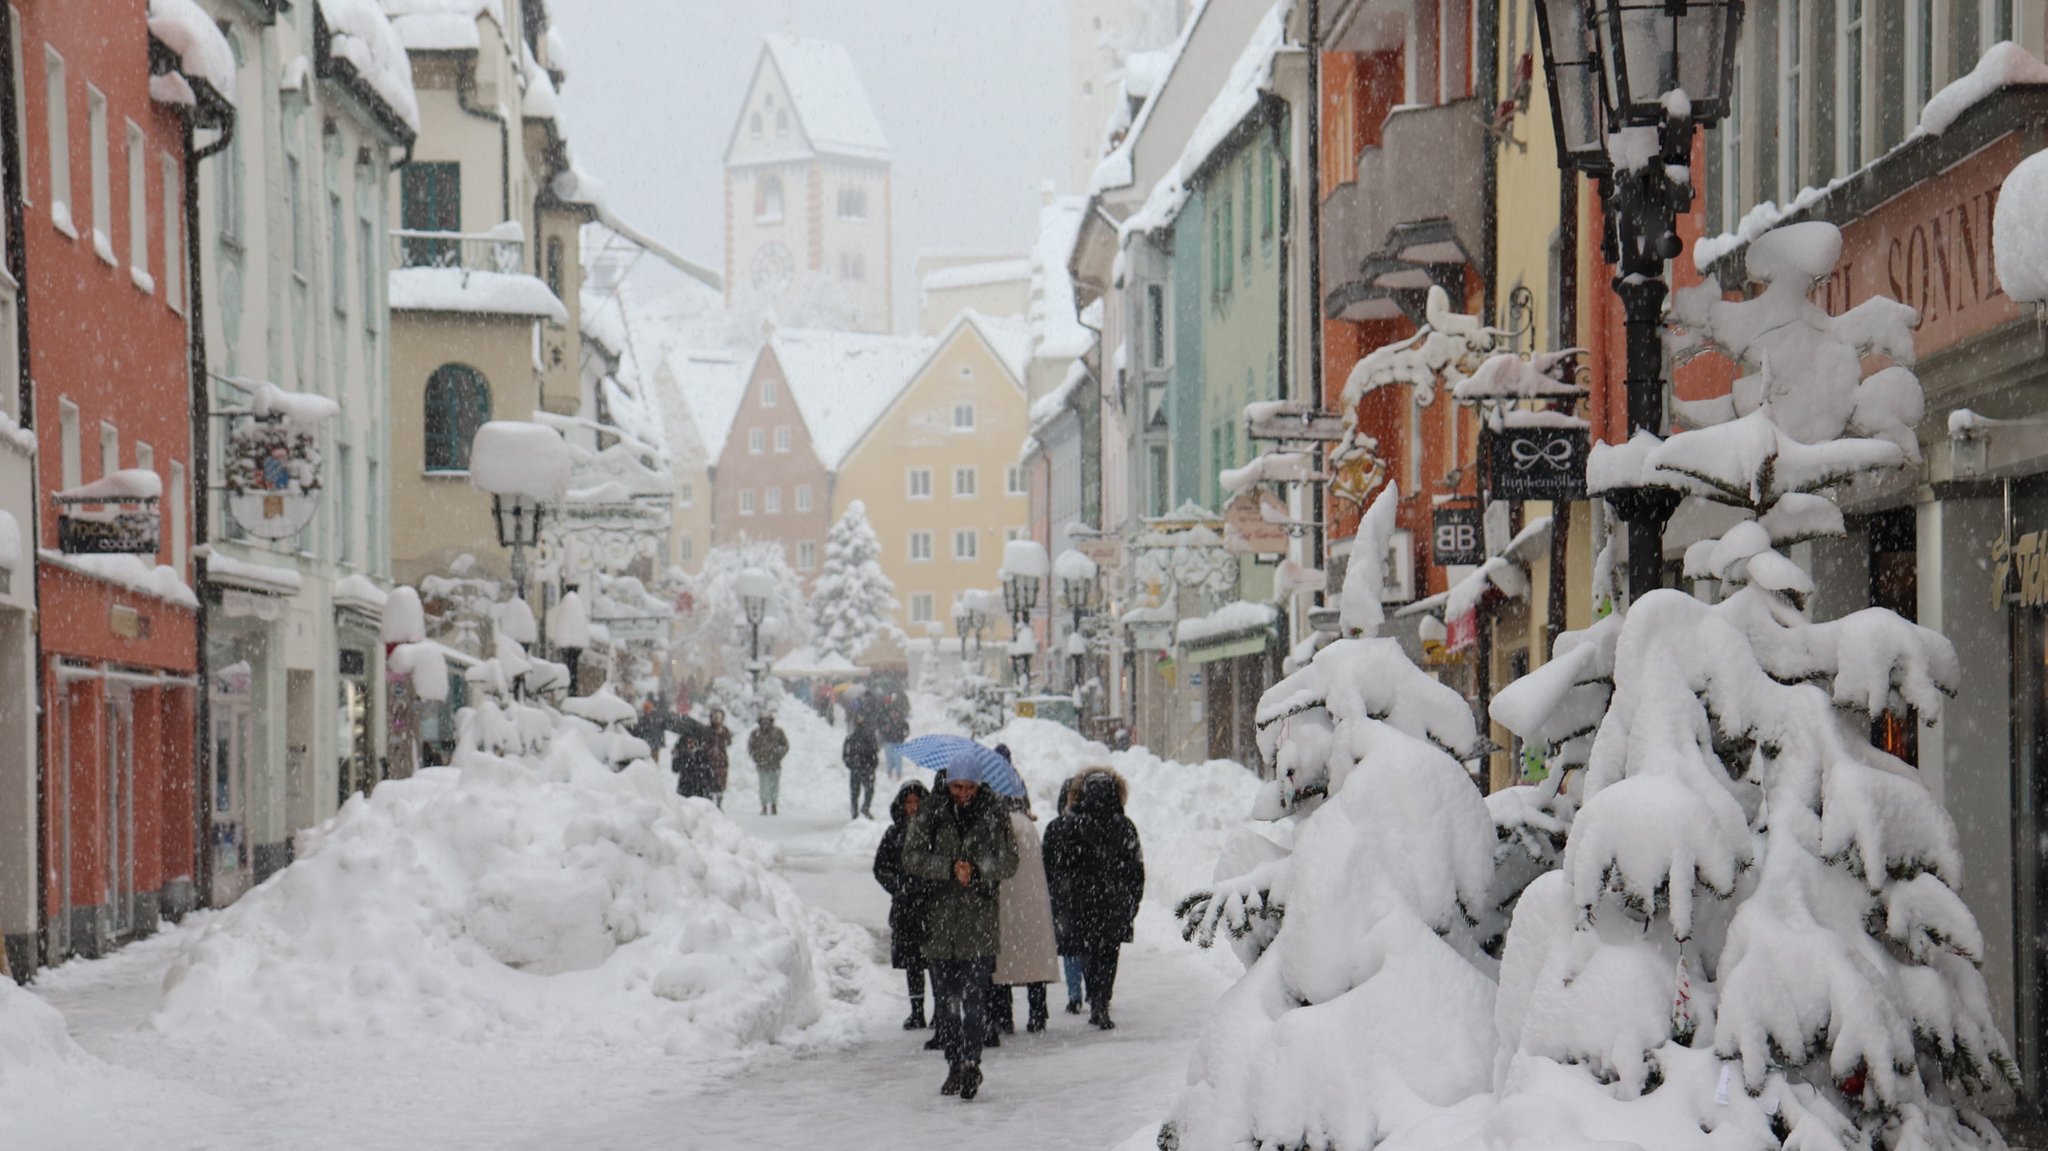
(893, 729)
(909, 900)
(718, 741)
(967, 849)
(767, 746)
(1027, 955)
(694, 778)
(1071, 958)
(1097, 872)
(860, 755)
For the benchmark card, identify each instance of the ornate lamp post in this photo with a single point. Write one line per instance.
(756, 588)
(1079, 588)
(1629, 80)
(1024, 570)
(522, 466)
(970, 615)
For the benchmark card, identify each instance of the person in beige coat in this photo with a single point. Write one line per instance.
(1026, 954)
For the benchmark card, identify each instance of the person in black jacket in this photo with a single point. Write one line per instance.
(694, 778)
(909, 899)
(1096, 869)
(861, 754)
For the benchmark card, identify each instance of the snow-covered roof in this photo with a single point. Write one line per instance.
(1230, 619)
(1008, 336)
(700, 393)
(365, 37)
(437, 25)
(222, 568)
(203, 52)
(825, 89)
(1056, 329)
(462, 290)
(977, 275)
(844, 381)
(136, 573)
(2003, 64)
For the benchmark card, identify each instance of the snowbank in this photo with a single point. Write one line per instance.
(496, 899)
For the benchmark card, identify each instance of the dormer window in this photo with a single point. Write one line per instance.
(754, 125)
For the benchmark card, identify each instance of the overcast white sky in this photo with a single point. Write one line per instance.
(972, 94)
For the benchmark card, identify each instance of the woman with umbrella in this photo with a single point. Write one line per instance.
(966, 849)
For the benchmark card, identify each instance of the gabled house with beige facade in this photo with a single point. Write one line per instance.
(937, 468)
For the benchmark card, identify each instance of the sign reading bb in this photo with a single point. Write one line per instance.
(1456, 538)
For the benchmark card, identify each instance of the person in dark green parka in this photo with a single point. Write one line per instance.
(965, 847)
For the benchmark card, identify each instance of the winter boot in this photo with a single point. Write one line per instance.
(916, 1020)
(1035, 1023)
(995, 1038)
(1098, 1015)
(1073, 1007)
(970, 1080)
(956, 1075)
(935, 1043)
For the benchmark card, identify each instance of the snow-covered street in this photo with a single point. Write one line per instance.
(855, 1079)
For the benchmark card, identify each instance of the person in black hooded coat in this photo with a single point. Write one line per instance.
(909, 898)
(1096, 869)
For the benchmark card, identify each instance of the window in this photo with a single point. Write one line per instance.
(337, 254)
(686, 494)
(757, 441)
(1268, 212)
(366, 265)
(964, 483)
(138, 210)
(1849, 82)
(1155, 325)
(554, 266)
(781, 439)
(966, 544)
(853, 202)
(176, 496)
(746, 501)
(458, 403)
(1790, 98)
(774, 501)
(853, 266)
(58, 125)
(1013, 480)
(373, 494)
(1729, 185)
(295, 217)
(174, 256)
(69, 468)
(1919, 57)
(430, 200)
(345, 525)
(770, 393)
(921, 607)
(145, 456)
(20, 85)
(806, 555)
(228, 197)
(102, 176)
(686, 548)
(803, 497)
(1245, 240)
(1012, 533)
(768, 199)
(963, 417)
(920, 483)
(921, 546)
(110, 449)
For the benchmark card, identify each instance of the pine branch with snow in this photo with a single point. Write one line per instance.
(852, 600)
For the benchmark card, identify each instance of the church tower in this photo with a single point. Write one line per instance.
(807, 192)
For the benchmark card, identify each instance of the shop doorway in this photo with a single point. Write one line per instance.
(117, 845)
(233, 718)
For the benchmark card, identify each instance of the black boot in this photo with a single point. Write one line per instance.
(916, 1020)
(955, 1077)
(1035, 1023)
(970, 1080)
(1034, 996)
(935, 1043)
(1099, 1016)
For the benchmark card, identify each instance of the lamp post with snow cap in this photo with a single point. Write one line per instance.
(1629, 80)
(522, 467)
(756, 588)
(1077, 575)
(1024, 569)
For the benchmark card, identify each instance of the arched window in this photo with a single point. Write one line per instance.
(768, 198)
(458, 403)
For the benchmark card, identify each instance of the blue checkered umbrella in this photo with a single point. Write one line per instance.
(963, 759)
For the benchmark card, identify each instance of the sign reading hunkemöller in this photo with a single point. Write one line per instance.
(1930, 247)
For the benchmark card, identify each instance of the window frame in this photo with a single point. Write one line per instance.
(138, 207)
(802, 498)
(771, 501)
(757, 441)
(915, 479)
(746, 501)
(57, 139)
(972, 539)
(965, 407)
(442, 425)
(923, 607)
(919, 547)
(972, 475)
(1015, 482)
(101, 171)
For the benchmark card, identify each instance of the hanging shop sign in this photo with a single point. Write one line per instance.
(1538, 464)
(1254, 523)
(1455, 537)
(273, 477)
(95, 522)
(1462, 632)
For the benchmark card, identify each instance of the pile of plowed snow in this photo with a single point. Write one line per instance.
(551, 898)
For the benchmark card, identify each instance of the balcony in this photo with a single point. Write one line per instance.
(1413, 216)
(503, 249)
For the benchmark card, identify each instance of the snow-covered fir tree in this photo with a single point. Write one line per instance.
(1369, 996)
(1755, 940)
(852, 601)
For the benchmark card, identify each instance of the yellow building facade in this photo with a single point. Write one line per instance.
(938, 472)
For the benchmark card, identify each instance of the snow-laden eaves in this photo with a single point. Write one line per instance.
(481, 293)
(361, 35)
(203, 52)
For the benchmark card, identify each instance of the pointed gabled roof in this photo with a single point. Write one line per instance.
(824, 88)
(843, 381)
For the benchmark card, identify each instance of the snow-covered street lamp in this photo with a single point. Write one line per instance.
(756, 588)
(522, 467)
(1079, 588)
(1629, 80)
(1025, 566)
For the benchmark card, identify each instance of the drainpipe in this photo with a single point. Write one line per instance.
(1317, 492)
(200, 482)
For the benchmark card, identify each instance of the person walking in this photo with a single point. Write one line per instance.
(1097, 871)
(1071, 958)
(718, 742)
(894, 729)
(909, 900)
(860, 755)
(693, 761)
(768, 745)
(966, 848)
(1028, 956)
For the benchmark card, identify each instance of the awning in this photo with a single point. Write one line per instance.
(1247, 643)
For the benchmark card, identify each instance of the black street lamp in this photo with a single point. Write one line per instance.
(1629, 80)
(756, 588)
(1078, 587)
(1024, 570)
(518, 518)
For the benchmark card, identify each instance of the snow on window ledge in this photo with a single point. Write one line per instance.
(445, 473)
(142, 280)
(60, 215)
(103, 247)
